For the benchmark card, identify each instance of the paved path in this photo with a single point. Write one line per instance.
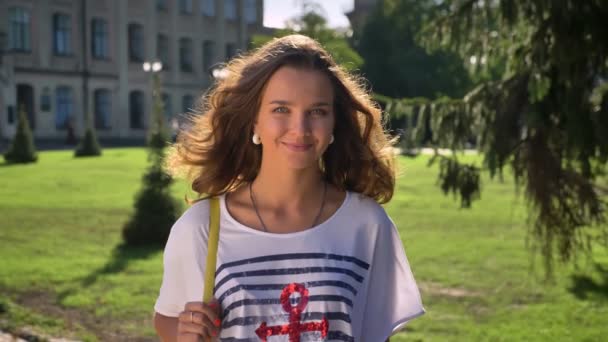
(5, 337)
(430, 151)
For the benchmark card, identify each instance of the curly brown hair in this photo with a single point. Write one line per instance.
(215, 152)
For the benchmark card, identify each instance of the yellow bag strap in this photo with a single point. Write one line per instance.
(214, 237)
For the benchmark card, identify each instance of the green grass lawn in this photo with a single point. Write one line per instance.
(62, 272)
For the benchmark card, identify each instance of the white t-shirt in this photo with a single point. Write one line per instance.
(347, 279)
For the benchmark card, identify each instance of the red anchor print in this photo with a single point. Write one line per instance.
(294, 328)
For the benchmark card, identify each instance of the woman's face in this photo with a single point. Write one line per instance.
(296, 117)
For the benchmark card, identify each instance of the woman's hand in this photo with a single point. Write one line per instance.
(199, 320)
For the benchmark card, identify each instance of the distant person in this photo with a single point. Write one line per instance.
(295, 151)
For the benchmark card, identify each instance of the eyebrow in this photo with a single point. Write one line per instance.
(287, 103)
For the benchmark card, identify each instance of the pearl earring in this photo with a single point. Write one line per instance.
(331, 140)
(256, 139)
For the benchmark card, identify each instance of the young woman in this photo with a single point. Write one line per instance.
(295, 150)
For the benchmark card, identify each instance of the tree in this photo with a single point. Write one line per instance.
(399, 66)
(155, 209)
(546, 116)
(312, 23)
(22, 149)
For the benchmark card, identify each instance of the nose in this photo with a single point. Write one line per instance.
(301, 124)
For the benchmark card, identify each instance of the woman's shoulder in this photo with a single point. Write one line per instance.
(367, 208)
(196, 216)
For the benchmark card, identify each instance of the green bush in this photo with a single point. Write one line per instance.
(155, 209)
(89, 146)
(22, 149)
(155, 213)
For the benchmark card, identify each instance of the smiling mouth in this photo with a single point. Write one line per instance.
(298, 147)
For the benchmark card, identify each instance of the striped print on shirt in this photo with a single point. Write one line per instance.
(289, 297)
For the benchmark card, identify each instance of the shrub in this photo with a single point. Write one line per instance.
(89, 146)
(155, 209)
(22, 149)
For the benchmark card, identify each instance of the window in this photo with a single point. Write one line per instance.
(19, 29)
(136, 43)
(251, 11)
(99, 29)
(25, 101)
(103, 108)
(208, 7)
(208, 54)
(167, 106)
(161, 5)
(230, 9)
(11, 114)
(185, 6)
(230, 50)
(62, 34)
(136, 109)
(64, 107)
(45, 100)
(162, 50)
(185, 54)
(187, 103)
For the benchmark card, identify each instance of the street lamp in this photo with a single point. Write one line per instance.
(158, 105)
(218, 71)
(2, 81)
(152, 66)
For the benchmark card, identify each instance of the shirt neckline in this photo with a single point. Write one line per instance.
(225, 213)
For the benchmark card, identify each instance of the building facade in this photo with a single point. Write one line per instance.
(63, 59)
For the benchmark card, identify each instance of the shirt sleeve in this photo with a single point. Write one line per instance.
(393, 297)
(184, 262)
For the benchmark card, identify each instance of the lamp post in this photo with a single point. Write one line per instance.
(3, 80)
(2, 46)
(158, 106)
(154, 68)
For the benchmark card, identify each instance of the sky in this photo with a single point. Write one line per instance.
(277, 11)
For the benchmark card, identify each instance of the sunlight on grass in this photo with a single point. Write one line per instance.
(62, 220)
